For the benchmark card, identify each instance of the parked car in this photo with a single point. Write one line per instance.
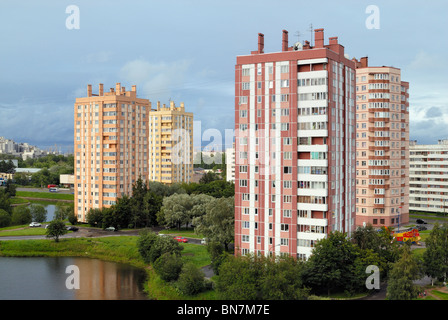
(35, 224)
(72, 228)
(421, 221)
(181, 239)
(110, 229)
(203, 241)
(53, 189)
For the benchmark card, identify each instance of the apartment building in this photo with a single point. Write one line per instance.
(230, 164)
(382, 146)
(118, 139)
(111, 146)
(294, 146)
(170, 144)
(428, 177)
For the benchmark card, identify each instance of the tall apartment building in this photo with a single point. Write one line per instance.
(294, 146)
(117, 137)
(428, 177)
(382, 146)
(170, 144)
(230, 164)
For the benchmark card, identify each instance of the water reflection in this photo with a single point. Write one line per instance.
(45, 279)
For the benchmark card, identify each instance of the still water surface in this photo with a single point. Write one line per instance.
(42, 278)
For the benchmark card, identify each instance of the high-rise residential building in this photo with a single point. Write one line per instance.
(230, 164)
(170, 144)
(111, 148)
(294, 146)
(382, 146)
(119, 139)
(428, 177)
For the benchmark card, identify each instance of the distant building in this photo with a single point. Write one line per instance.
(119, 139)
(170, 142)
(67, 180)
(230, 164)
(428, 177)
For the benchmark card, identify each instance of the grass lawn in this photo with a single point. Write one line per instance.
(44, 195)
(26, 231)
(441, 295)
(183, 232)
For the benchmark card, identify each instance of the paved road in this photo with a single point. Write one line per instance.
(64, 191)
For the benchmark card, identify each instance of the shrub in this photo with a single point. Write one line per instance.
(191, 280)
(168, 266)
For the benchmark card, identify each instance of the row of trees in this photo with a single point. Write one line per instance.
(154, 204)
(338, 265)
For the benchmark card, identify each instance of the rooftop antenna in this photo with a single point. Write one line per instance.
(311, 32)
(298, 35)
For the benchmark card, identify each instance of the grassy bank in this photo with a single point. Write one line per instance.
(44, 195)
(121, 249)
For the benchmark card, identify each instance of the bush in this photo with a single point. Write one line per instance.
(168, 266)
(21, 215)
(5, 219)
(191, 280)
(145, 242)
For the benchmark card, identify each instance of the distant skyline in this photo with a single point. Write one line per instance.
(186, 51)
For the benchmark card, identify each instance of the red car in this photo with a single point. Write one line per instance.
(181, 239)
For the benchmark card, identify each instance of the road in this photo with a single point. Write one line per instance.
(63, 191)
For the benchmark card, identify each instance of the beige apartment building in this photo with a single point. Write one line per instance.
(114, 146)
(170, 144)
(382, 146)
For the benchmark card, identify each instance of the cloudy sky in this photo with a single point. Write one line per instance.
(185, 50)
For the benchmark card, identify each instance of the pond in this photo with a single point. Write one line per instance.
(69, 278)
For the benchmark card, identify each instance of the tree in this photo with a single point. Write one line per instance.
(38, 212)
(239, 278)
(5, 218)
(282, 279)
(21, 215)
(94, 217)
(208, 177)
(217, 255)
(218, 224)
(63, 211)
(55, 229)
(168, 266)
(191, 280)
(10, 188)
(403, 273)
(5, 201)
(145, 243)
(176, 210)
(152, 203)
(331, 267)
(435, 257)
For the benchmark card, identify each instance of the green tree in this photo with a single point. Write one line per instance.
(5, 201)
(282, 279)
(217, 255)
(218, 224)
(239, 278)
(63, 210)
(152, 203)
(38, 212)
(332, 266)
(400, 284)
(435, 257)
(21, 215)
(175, 210)
(10, 188)
(5, 218)
(94, 217)
(122, 210)
(168, 266)
(145, 242)
(56, 229)
(191, 279)
(164, 245)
